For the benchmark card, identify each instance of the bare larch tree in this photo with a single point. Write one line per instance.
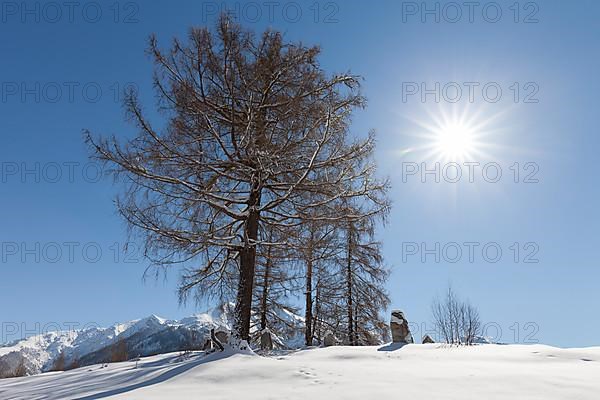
(315, 250)
(256, 135)
(275, 284)
(364, 277)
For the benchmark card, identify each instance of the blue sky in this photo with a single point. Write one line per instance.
(63, 70)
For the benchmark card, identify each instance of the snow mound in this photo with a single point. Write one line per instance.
(431, 371)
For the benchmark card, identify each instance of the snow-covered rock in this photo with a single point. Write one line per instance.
(266, 341)
(399, 327)
(329, 339)
(427, 340)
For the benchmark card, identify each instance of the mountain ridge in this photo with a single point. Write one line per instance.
(136, 338)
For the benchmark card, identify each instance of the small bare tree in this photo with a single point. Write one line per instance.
(74, 364)
(457, 321)
(119, 351)
(13, 365)
(470, 323)
(60, 363)
(21, 369)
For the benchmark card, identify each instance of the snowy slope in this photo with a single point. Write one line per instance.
(93, 345)
(416, 371)
(143, 337)
(41, 351)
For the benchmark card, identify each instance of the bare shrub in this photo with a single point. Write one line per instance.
(74, 364)
(7, 368)
(59, 363)
(21, 370)
(457, 321)
(119, 352)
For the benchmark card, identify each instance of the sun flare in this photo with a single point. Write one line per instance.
(456, 134)
(454, 140)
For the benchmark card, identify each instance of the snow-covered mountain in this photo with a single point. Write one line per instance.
(140, 338)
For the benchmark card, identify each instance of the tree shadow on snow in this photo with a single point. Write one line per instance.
(161, 378)
(392, 347)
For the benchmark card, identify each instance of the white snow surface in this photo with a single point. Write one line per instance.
(414, 371)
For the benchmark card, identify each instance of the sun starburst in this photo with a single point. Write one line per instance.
(453, 134)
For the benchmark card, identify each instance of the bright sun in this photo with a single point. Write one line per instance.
(454, 140)
(455, 134)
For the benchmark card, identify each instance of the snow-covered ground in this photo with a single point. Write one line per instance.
(142, 337)
(411, 372)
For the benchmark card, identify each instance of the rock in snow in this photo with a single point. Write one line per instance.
(399, 327)
(329, 339)
(427, 339)
(266, 341)
(223, 336)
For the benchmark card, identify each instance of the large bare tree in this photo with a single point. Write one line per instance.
(256, 135)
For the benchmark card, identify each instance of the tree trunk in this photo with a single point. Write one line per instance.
(243, 305)
(317, 324)
(265, 293)
(308, 317)
(356, 324)
(350, 310)
(349, 290)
